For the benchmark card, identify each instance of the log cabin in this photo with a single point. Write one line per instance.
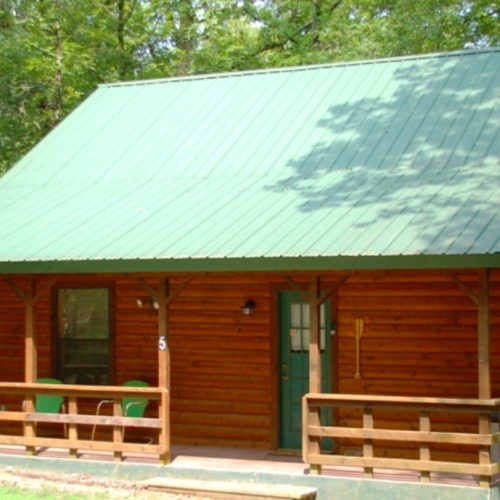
(295, 259)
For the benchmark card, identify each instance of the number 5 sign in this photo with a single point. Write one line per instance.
(162, 343)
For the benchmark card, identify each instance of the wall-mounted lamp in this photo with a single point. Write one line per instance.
(148, 302)
(248, 308)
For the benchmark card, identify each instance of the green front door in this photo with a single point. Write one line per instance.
(294, 364)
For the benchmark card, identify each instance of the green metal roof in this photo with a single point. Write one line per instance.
(378, 164)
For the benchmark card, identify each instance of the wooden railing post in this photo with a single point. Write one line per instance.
(73, 429)
(425, 451)
(117, 430)
(314, 363)
(368, 443)
(164, 440)
(484, 451)
(307, 443)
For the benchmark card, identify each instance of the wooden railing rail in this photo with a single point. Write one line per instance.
(72, 418)
(425, 407)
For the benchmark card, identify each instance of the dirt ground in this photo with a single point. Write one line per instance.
(94, 488)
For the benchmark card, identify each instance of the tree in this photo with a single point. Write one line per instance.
(55, 52)
(305, 31)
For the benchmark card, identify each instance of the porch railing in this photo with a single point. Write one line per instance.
(313, 431)
(72, 419)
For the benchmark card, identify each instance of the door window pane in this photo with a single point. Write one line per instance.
(299, 331)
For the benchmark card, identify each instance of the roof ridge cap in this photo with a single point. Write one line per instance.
(305, 67)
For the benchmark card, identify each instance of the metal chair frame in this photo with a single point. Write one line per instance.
(127, 404)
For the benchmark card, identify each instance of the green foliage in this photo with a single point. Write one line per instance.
(55, 52)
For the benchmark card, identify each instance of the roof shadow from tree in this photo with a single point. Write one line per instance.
(420, 162)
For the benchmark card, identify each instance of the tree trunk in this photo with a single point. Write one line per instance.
(121, 38)
(58, 79)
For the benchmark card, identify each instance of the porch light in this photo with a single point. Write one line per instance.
(248, 308)
(147, 301)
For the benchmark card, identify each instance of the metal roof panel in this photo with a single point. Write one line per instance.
(396, 157)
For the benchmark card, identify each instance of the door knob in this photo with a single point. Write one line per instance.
(284, 377)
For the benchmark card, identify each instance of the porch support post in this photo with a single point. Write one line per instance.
(315, 361)
(484, 336)
(163, 331)
(30, 359)
(117, 430)
(30, 297)
(314, 336)
(164, 297)
(484, 376)
(164, 368)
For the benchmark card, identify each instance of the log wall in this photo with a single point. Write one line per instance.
(221, 360)
(420, 339)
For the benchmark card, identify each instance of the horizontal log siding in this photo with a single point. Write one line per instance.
(12, 331)
(220, 360)
(419, 339)
(11, 338)
(11, 335)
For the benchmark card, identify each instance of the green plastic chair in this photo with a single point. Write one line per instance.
(45, 403)
(134, 407)
(49, 404)
(131, 407)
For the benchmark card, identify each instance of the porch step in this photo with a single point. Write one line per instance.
(231, 491)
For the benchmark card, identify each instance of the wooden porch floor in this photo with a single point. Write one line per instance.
(244, 460)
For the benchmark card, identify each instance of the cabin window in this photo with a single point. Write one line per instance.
(84, 335)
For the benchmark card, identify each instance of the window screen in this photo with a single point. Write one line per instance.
(84, 336)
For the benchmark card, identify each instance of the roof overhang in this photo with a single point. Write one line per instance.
(338, 263)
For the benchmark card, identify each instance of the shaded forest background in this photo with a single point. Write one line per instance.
(53, 53)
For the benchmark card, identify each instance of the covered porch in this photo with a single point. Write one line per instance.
(408, 434)
(256, 467)
(189, 458)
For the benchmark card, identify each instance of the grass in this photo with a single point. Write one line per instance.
(18, 493)
(22, 485)
(8, 492)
